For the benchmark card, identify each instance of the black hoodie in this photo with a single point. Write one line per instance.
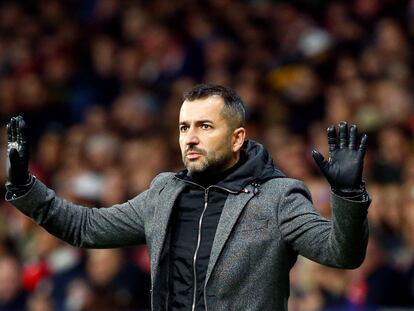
(195, 217)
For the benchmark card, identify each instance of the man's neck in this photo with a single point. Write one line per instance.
(213, 178)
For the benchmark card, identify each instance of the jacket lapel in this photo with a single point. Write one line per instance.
(231, 211)
(166, 201)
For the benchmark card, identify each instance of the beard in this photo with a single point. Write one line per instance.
(210, 163)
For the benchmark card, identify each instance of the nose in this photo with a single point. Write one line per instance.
(191, 137)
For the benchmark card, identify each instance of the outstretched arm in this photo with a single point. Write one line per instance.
(119, 225)
(342, 241)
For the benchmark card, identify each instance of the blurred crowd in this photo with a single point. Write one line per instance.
(100, 83)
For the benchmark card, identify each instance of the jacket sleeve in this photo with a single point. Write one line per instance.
(115, 226)
(340, 242)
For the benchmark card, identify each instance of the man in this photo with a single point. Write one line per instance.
(224, 233)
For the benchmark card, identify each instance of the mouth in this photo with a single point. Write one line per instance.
(191, 155)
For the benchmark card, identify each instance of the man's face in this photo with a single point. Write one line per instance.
(205, 138)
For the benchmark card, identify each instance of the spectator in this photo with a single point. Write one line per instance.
(12, 295)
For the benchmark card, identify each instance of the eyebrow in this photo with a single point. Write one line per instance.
(197, 122)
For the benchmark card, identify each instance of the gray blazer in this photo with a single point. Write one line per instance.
(258, 237)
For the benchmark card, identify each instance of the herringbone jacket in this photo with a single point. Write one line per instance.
(257, 241)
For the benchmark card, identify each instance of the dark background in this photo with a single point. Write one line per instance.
(100, 85)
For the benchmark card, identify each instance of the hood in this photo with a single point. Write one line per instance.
(255, 166)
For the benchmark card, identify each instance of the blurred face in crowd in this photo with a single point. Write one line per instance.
(10, 275)
(208, 143)
(103, 265)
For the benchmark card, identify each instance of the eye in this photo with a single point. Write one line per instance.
(206, 126)
(183, 128)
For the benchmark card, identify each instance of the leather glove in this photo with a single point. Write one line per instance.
(18, 153)
(343, 169)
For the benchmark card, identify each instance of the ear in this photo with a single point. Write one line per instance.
(239, 135)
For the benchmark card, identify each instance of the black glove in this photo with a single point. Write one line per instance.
(18, 153)
(343, 169)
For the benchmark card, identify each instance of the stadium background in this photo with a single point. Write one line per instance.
(100, 82)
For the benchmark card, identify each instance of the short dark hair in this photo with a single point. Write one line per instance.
(233, 109)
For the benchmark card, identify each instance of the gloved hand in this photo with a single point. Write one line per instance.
(343, 169)
(18, 153)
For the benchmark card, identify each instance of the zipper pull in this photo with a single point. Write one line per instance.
(256, 187)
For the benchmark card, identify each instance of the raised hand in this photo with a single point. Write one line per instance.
(343, 169)
(18, 152)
